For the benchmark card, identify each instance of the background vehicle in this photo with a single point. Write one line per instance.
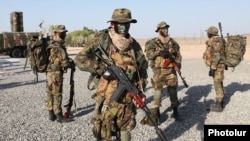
(14, 43)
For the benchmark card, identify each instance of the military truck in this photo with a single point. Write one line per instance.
(14, 44)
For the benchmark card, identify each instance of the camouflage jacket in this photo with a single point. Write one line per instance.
(153, 48)
(58, 56)
(132, 61)
(214, 55)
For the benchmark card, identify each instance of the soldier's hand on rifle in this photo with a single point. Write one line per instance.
(211, 72)
(108, 75)
(164, 54)
(138, 99)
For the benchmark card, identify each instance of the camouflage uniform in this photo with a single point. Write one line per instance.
(119, 116)
(58, 64)
(30, 48)
(214, 57)
(163, 69)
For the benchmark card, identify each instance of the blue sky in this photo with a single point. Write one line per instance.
(187, 18)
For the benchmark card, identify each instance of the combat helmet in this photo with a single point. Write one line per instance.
(122, 15)
(161, 25)
(212, 30)
(60, 28)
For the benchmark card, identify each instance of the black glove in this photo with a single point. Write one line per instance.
(108, 74)
(211, 72)
(164, 54)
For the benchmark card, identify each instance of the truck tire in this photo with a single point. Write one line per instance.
(25, 52)
(16, 53)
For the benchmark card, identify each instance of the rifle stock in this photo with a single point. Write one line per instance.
(126, 86)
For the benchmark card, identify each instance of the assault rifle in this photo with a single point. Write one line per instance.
(169, 60)
(220, 28)
(221, 35)
(125, 86)
(72, 91)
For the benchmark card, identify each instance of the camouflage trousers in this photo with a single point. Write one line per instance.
(54, 83)
(110, 121)
(165, 77)
(218, 85)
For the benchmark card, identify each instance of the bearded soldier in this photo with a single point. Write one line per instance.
(159, 51)
(214, 57)
(110, 116)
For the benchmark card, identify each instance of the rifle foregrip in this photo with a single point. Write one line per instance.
(138, 98)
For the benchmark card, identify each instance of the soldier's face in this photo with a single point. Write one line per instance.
(122, 28)
(164, 32)
(62, 35)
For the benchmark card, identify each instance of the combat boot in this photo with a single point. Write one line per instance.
(175, 114)
(217, 107)
(60, 118)
(154, 115)
(52, 116)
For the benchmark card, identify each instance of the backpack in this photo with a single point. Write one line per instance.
(235, 50)
(40, 55)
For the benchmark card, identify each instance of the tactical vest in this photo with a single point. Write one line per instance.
(57, 57)
(154, 46)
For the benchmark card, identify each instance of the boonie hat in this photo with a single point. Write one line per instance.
(122, 15)
(60, 28)
(161, 25)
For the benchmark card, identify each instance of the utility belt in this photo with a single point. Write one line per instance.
(105, 124)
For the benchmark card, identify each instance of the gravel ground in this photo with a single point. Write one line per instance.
(24, 118)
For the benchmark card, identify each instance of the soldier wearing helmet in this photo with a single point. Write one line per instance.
(212, 30)
(214, 58)
(159, 50)
(114, 117)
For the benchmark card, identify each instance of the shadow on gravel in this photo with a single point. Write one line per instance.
(192, 112)
(13, 67)
(232, 88)
(18, 84)
(85, 110)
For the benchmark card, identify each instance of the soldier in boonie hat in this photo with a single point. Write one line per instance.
(60, 28)
(161, 25)
(60, 31)
(120, 22)
(160, 50)
(122, 15)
